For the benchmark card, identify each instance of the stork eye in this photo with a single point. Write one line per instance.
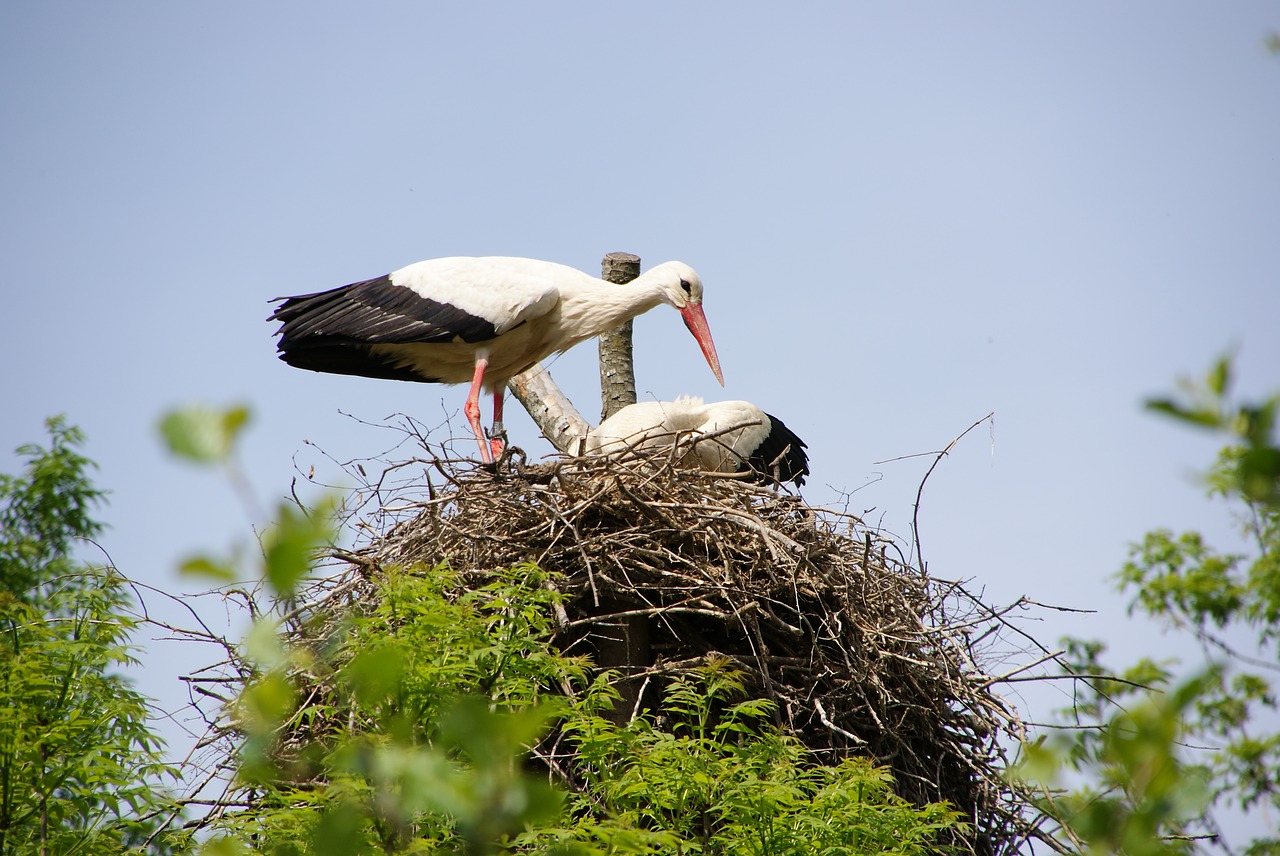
(688, 289)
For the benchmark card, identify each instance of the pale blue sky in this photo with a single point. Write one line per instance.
(905, 215)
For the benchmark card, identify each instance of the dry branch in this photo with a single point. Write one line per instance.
(550, 408)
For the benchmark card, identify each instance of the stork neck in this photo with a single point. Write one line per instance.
(604, 305)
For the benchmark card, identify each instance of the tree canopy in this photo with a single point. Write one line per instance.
(81, 769)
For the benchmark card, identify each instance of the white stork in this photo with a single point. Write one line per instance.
(482, 320)
(727, 436)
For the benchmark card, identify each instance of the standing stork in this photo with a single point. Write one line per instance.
(727, 437)
(482, 320)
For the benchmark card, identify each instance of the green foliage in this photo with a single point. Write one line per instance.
(1253, 455)
(717, 778)
(291, 543)
(46, 511)
(1143, 796)
(435, 696)
(419, 711)
(203, 435)
(1179, 577)
(1135, 733)
(80, 770)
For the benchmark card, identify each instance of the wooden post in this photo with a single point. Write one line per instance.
(623, 644)
(617, 365)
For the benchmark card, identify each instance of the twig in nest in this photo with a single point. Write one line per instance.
(915, 512)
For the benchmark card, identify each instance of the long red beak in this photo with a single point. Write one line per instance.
(696, 321)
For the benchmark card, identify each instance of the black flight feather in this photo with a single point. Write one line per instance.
(331, 331)
(781, 457)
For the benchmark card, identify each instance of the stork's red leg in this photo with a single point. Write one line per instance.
(495, 436)
(472, 409)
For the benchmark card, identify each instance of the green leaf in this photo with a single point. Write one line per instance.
(223, 847)
(1260, 474)
(266, 703)
(375, 673)
(1219, 377)
(290, 547)
(1202, 417)
(203, 434)
(263, 646)
(208, 567)
(340, 832)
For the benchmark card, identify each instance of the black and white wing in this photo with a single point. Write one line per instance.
(441, 301)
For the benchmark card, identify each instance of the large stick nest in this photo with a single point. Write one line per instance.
(661, 567)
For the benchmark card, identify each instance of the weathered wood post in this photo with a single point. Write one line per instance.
(617, 364)
(623, 644)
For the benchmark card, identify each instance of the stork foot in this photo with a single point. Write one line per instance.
(497, 440)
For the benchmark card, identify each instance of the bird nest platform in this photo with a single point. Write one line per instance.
(660, 568)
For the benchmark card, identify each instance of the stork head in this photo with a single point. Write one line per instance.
(681, 287)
